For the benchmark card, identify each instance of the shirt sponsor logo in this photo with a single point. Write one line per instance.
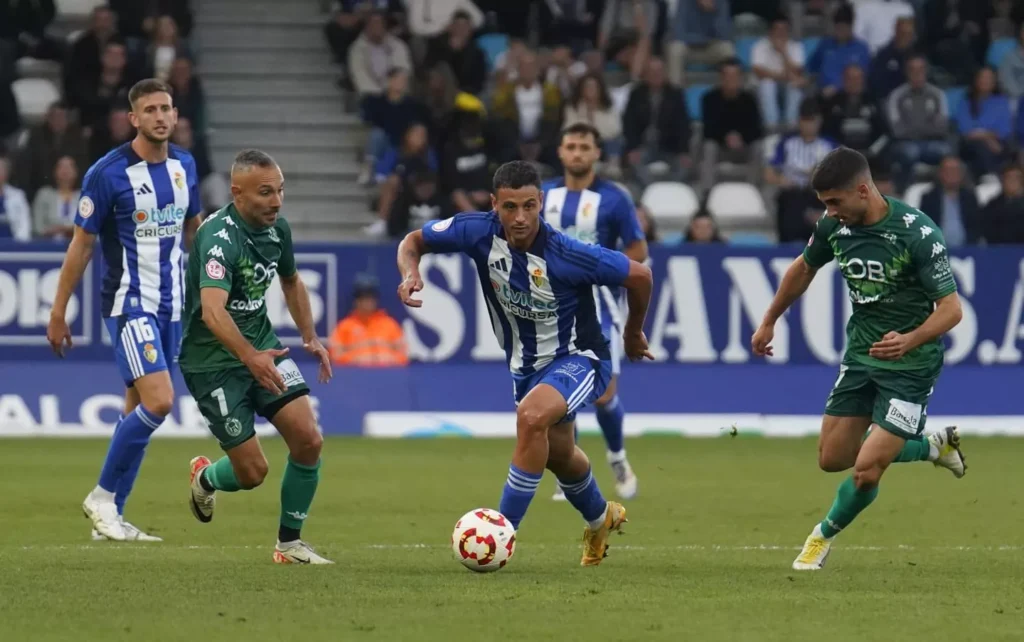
(158, 231)
(246, 306)
(154, 216)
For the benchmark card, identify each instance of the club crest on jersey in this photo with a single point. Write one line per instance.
(86, 207)
(149, 351)
(587, 210)
(179, 180)
(537, 276)
(214, 269)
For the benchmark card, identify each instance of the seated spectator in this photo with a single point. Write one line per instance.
(591, 104)
(83, 64)
(429, 19)
(984, 123)
(564, 71)
(214, 187)
(374, 54)
(1003, 218)
(1002, 23)
(875, 21)
(47, 142)
(116, 131)
(15, 215)
(390, 116)
(368, 336)
(347, 21)
(466, 173)
(458, 50)
(853, 117)
(887, 68)
(23, 26)
(420, 200)
(137, 20)
(527, 113)
(656, 126)
(1011, 70)
(954, 36)
(189, 99)
(919, 119)
(626, 31)
(778, 63)
(570, 23)
(702, 229)
(953, 205)
(414, 155)
(702, 34)
(97, 97)
(836, 53)
(164, 48)
(506, 65)
(732, 127)
(790, 170)
(55, 206)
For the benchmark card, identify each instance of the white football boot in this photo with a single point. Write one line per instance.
(815, 551)
(103, 513)
(948, 455)
(200, 501)
(297, 552)
(132, 534)
(625, 478)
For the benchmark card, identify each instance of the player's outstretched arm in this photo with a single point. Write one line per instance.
(944, 317)
(410, 251)
(796, 281)
(639, 284)
(75, 261)
(297, 297)
(218, 320)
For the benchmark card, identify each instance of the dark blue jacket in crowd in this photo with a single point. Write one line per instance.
(394, 118)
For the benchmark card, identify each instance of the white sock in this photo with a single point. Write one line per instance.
(599, 522)
(102, 495)
(933, 451)
(617, 458)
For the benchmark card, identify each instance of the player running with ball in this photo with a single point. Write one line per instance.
(894, 260)
(538, 284)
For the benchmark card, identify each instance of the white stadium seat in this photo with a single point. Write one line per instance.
(34, 96)
(915, 193)
(987, 191)
(34, 68)
(76, 8)
(736, 204)
(671, 204)
(770, 144)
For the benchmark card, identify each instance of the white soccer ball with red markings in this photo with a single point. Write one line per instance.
(483, 540)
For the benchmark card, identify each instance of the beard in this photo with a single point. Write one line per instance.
(579, 172)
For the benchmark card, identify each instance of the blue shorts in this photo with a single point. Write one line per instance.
(143, 344)
(580, 380)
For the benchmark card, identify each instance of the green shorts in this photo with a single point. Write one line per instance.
(896, 400)
(230, 399)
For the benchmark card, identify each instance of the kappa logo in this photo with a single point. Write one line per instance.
(216, 251)
(273, 235)
(844, 231)
(223, 234)
(925, 231)
(909, 218)
(938, 248)
(229, 221)
(294, 514)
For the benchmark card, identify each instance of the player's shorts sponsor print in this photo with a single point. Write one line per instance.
(230, 399)
(579, 380)
(896, 400)
(143, 344)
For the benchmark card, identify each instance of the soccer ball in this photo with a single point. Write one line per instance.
(483, 540)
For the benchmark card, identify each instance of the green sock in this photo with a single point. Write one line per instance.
(916, 449)
(221, 475)
(848, 504)
(297, 490)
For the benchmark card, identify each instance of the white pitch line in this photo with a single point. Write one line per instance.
(625, 547)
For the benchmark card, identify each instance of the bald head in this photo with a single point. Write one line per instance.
(257, 186)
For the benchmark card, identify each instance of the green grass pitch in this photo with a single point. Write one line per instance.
(706, 556)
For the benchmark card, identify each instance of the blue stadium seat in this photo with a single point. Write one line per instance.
(744, 49)
(810, 46)
(998, 50)
(955, 96)
(493, 44)
(694, 94)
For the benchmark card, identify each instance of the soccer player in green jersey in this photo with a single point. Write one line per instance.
(894, 260)
(233, 363)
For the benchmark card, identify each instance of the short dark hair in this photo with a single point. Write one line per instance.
(844, 14)
(581, 129)
(730, 62)
(809, 108)
(514, 175)
(247, 159)
(839, 170)
(147, 87)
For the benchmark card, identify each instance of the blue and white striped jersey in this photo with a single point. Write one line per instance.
(541, 301)
(138, 210)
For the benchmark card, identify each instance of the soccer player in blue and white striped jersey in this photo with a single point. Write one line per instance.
(140, 200)
(599, 212)
(538, 284)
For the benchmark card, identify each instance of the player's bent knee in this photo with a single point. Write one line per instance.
(306, 450)
(832, 462)
(867, 478)
(251, 474)
(531, 420)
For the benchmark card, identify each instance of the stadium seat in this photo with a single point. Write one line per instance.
(34, 68)
(34, 96)
(493, 45)
(915, 193)
(736, 204)
(998, 50)
(694, 95)
(988, 191)
(810, 46)
(744, 49)
(76, 8)
(955, 96)
(671, 204)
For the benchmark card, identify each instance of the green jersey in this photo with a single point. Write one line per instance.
(234, 256)
(895, 270)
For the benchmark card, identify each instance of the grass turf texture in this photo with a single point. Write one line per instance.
(706, 555)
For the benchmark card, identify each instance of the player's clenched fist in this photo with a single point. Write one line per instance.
(762, 339)
(635, 344)
(264, 370)
(409, 286)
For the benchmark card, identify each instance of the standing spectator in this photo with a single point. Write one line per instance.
(116, 130)
(347, 21)
(875, 21)
(778, 63)
(368, 336)
(627, 30)
(164, 48)
(415, 155)
(189, 99)
(55, 206)
(919, 118)
(466, 174)
(528, 113)
(591, 104)
(1011, 69)
(440, 97)
(955, 36)
(853, 117)
(790, 170)
(374, 54)
(98, 97)
(570, 22)
(953, 205)
(48, 141)
(732, 127)
(15, 215)
(429, 19)
(983, 120)
(389, 117)
(1003, 217)
(84, 65)
(458, 51)
(838, 52)
(887, 68)
(701, 33)
(657, 126)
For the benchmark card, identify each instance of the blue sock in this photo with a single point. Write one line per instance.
(520, 487)
(127, 445)
(585, 497)
(127, 480)
(610, 417)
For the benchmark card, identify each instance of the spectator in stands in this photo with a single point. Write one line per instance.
(189, 99)
(53, 138)
(1011, 70)
(570, 23)
(429, 19)
(875, 21)
(701, 33)
(647, 224)
(374, 54)
(1001, 23)
(767, 10)
(564, 71)
(440, 96)
(164, 49)
(778, 63)
(955, 36)
(656, 126)
(919, 118)
(419, 200)
(84, 64)
(1003, 218)
(368, 336)
(887, 68)
(23, 29)
(214, 187)
(591, 104)
(15, 215)
(527, 113)
(506, 65)
(838, 52)
(414, 155)
(466, 173)
(462, 54)
(347, 22)
(953, 205)
(852, 117)
(732, 127)
(55, 206)
(984, 123)
(115, 131)
(790, 171)
(98, 97)
(627, 30)
(390, 116)
(137, 19)
(702, 229)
